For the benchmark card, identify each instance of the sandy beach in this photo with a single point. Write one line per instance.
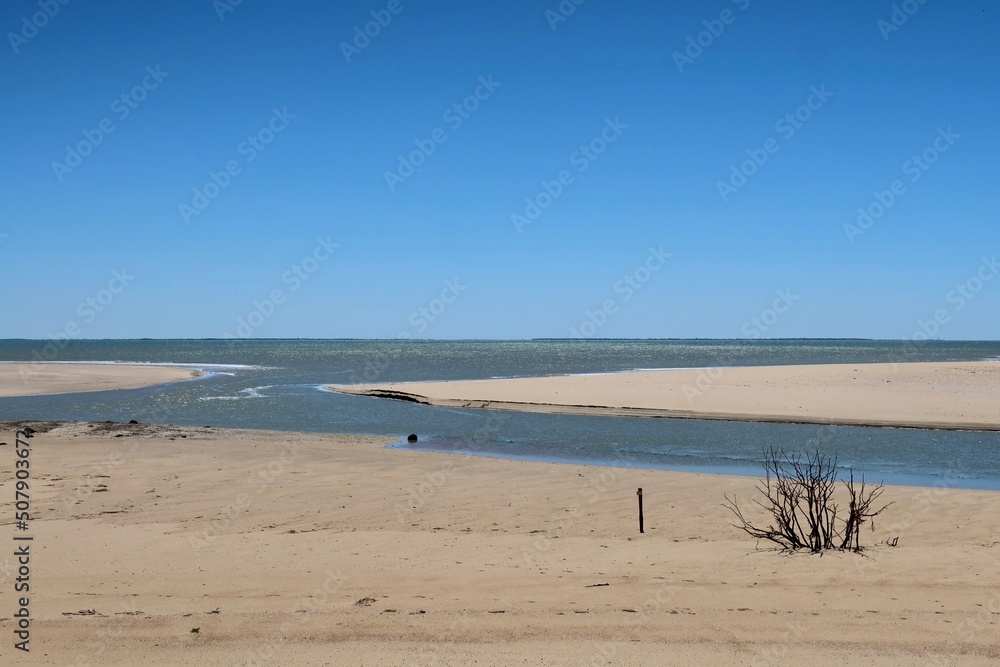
(199, 546)
(32, 379)
(927, 395)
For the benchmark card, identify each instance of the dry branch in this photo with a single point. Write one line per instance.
(799, 494)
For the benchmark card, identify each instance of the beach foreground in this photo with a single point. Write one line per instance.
(942, 395)
(55, 378)
(199, 546)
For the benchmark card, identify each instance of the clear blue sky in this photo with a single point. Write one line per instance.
(678, 125)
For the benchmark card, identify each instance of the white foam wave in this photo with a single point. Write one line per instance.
(249, 392)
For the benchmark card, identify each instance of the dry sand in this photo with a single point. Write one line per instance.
(293, 549)
(928, 395)
(55, 378)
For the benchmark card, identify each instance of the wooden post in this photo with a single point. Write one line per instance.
(639, 493)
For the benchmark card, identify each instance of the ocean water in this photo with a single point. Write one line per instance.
(275, 384)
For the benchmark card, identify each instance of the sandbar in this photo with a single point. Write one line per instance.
(33, 379)
(940, 395)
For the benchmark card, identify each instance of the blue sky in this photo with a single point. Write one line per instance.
(309, 117)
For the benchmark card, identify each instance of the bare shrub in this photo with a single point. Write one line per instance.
(800, 495)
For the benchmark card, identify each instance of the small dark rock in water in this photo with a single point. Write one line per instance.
(412, 437)
(132, 421)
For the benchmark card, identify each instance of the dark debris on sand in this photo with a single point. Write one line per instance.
(110, 429)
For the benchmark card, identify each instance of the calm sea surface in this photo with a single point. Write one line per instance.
(275, 384)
